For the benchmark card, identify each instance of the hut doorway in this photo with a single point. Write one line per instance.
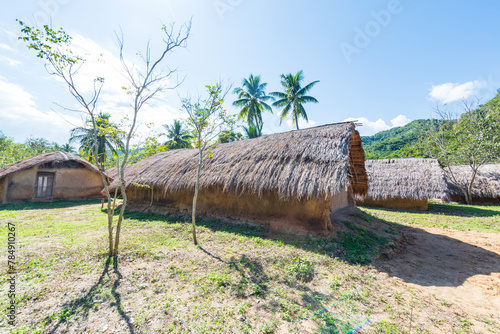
(44, 185)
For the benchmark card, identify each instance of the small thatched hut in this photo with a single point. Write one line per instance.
(486, 186)
(292, 180)
(403, 183)
(55, 175)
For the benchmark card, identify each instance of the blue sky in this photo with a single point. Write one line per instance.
(383, 63)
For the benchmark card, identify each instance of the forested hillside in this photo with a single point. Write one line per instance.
(395, 143)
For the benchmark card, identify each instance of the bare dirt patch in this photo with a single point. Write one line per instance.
(459, 268)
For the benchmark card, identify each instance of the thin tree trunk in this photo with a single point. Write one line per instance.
(196, 196)
(110, 228)
(296, 122)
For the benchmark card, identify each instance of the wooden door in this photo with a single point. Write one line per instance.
(44, 186)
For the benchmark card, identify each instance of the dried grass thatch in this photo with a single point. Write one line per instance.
(53, 157)
(314, 162)
(486, 184)
(112, 172)
(413, 179)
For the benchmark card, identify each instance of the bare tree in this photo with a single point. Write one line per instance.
(144, 85)
(53, 46)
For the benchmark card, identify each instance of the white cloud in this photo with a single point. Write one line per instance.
(100, 62)
(451, 92)
(10, 61)
(6, 47)
(369, 128)
(20, 117)
(400, 120)
(303, 124)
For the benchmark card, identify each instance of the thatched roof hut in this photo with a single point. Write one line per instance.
(486, 186)
(284, 179)
(55, 175)
(404, 183)
(112, 172)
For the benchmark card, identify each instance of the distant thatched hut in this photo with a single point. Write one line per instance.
(290, 180)
(486, 186)
(403, 183)
(56, 175)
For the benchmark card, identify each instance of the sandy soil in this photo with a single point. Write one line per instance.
(461, 268)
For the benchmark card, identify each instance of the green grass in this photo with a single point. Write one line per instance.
(450, 215)
(243, 278)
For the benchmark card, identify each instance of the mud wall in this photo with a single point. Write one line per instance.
(396, 203)
(475, 200)
(306, 215)
(3, 193)
(21, 185)
(76, 183)
(69, 183)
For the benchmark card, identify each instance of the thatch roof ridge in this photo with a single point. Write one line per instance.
(44, 158)
(411, 178)
(486, 184)
(301, 163)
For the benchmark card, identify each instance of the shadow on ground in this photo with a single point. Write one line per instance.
(410, 253)
(456, 210)
(438, 260)
(80, 307)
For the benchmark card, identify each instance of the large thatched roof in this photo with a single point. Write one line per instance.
(314, 162)
(112, 172)
(486, 184)
(52, 157)
(405, 178)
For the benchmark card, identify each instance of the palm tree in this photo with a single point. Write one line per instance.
(105, 141)
(67, 148)
(294, 97)
(252, 131)
(179, 136)
(252, 100)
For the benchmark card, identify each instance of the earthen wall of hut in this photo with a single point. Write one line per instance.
(305, 215)
(475, 199)
(395, 203)
(69, 183)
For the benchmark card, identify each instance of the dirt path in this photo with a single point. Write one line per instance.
(460, 268)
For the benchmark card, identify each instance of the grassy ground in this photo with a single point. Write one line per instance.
(449, 215)
(243, 278)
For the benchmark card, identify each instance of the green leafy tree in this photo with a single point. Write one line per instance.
(471, 138)
(207, 119)
(227, 136)
(252, 100)
(107, 139)
(252, 131)
(11, 151)
(68, 148)
(178, 135)
(152, 145)
(293, 97)
(37, 146)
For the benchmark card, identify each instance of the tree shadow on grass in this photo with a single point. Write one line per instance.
(435, 259)
(451, 209)
(462, 210)
(57, 204)
(80, 307)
